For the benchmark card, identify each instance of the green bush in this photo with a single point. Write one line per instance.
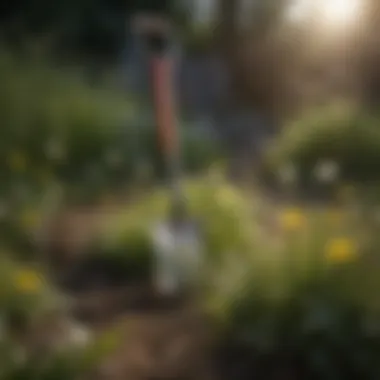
(56, 128)
(303, 298)
(315, 329)
(338, 133)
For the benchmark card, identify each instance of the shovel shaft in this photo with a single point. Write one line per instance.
(164, 104)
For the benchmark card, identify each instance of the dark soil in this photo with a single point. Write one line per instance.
(164, 338)
(169, 339)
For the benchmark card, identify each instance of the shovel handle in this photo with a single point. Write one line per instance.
(167, 129)
(156, 32)
(164, 105)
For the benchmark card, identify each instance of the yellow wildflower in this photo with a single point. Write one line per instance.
(340, 250)
(17, 161)
(292, 219)
(28, 281)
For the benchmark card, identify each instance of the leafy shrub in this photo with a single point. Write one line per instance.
(19, 225)
(339, 133)
(303, 297)
(56, 128)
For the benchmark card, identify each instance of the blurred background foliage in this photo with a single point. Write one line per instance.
(278, 276)
(62, 135)
(58, 128)
(84, 29)
(344, 134)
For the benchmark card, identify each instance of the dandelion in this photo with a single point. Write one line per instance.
(28, 281)
(17, 162)
(340, 250)
(292, 220)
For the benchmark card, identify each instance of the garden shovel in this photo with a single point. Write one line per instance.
(176, 239)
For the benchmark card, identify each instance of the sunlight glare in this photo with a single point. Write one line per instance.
(339, 12)
(327, 13)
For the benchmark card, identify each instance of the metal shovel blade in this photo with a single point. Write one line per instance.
(178, 257)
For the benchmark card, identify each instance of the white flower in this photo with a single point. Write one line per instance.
(326, 171)
(77, 335)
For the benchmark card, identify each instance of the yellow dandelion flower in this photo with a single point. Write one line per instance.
(28, 281)
(340, 250)
(292, 219)
(17, 161)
